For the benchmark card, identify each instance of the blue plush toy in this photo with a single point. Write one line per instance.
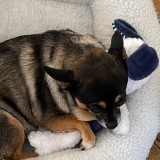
(142, 61)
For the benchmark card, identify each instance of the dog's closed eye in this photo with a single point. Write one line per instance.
(120, 100)
(95, 108)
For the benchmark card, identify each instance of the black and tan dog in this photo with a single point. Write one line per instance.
(58, 80)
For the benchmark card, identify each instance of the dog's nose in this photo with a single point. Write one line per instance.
(112, 125)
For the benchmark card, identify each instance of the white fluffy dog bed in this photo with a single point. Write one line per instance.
(19, 17)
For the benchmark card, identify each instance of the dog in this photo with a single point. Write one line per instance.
(58, 80)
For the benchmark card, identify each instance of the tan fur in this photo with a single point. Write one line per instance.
(63, 85)
(28, 127)
(102, 104)
(81, 105)
(14, 149)
(57, 96)
(117, 98)
(84, 114)
(125, 56)
(68, 123)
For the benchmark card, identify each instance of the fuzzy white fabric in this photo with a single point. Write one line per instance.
(134, 85)
(19, 17)
(46, 142)
(132, 44)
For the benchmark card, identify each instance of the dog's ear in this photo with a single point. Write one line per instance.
(116, 48)
(64, 77)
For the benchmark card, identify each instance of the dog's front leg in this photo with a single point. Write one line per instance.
(67, 123)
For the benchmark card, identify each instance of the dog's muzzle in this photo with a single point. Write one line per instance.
(112, 125)
(105, 122)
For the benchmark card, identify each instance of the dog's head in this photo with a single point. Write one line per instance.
(97, 81)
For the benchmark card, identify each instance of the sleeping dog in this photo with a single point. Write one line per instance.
(58, 80)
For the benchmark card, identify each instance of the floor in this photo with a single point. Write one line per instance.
(155, 150)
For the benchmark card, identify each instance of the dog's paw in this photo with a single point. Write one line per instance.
(88, 143)
(124, 124)
(121, 129)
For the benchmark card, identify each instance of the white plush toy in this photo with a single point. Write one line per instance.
(142, 61)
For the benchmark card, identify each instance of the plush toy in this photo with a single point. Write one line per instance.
(142, 61)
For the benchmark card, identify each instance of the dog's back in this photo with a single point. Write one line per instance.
(23, 89)
(14, 94)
